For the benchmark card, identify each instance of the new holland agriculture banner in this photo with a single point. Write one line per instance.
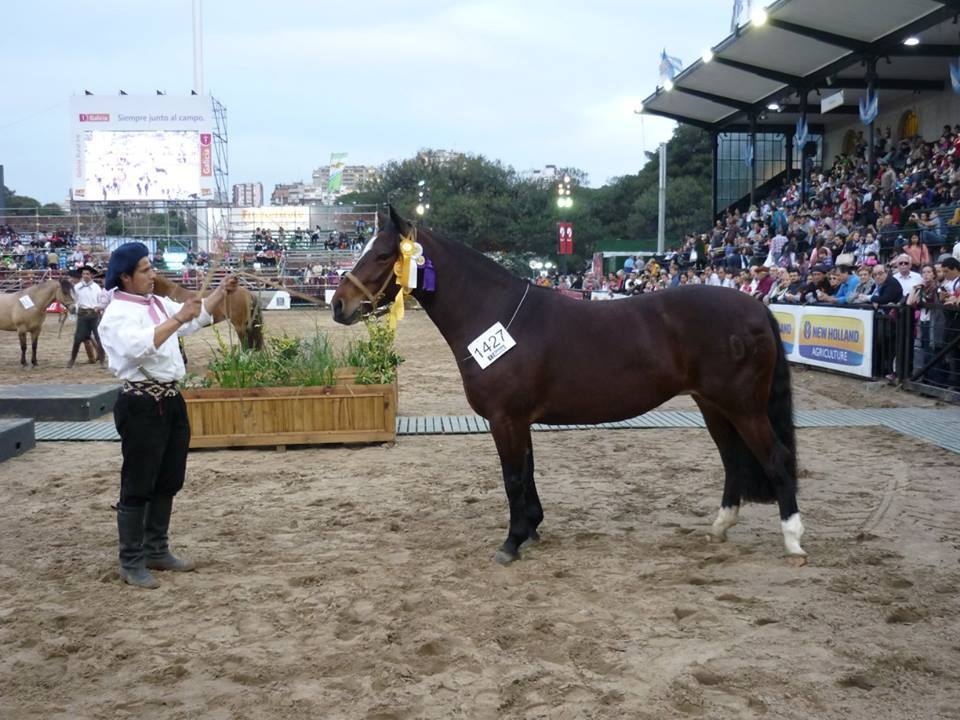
(840, 339)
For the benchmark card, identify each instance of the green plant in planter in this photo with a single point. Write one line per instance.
(284, 362)
(375, 359)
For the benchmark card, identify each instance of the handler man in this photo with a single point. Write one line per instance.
(89, 304)
(139, 332)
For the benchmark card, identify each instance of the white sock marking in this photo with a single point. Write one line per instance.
(792, 532)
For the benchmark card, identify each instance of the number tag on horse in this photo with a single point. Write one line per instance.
(491, 345)
(26, 302)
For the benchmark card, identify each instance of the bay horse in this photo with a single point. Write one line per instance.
(242, 308)
(27, 317)
(579, 362)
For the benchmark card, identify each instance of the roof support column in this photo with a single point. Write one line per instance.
(714, 139)
(788, 153)
(753, 158)
(803, 149)
(871, 77)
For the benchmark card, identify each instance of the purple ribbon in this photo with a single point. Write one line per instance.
(429, 275)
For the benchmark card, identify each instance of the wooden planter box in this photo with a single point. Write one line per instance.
(291, 415)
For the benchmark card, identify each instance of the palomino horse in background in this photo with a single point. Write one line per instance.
(27, 316)
(577, 362)
(241, 308)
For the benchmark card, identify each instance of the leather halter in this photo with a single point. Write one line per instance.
(373, 299)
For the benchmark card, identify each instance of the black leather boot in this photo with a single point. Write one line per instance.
(156, 544)
(133, 570)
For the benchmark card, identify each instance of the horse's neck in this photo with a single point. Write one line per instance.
(472, 292)
(42, 295)
(171, 290)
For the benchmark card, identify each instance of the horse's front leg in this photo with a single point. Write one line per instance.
(33, 349)
(534, 509)
(511, 439)
(23, 348)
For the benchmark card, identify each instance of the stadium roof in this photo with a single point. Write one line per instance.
(814, 47)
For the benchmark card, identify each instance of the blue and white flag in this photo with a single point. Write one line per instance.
(748, 154)
(955, 76)
(669, 66)
(869, 108)
(802, 133)
(738, 13)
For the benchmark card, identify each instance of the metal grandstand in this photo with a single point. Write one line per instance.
(775, 70)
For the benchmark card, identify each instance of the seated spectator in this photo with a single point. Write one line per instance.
(780, 287)
(847, 281)
(827, 294)
(887, 290)
(764, 282)
(865, 287)
(816, 283)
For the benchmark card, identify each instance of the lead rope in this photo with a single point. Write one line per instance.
(512, 318)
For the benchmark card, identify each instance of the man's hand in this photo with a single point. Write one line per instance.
(229, 283)
(191, 309)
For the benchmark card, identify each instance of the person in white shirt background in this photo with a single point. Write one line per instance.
(90, 299)
(904, 275)
(139, 332)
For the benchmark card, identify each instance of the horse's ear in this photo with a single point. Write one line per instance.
(403, 226)
(382, 219)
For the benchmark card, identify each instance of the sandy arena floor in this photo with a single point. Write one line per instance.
(357, 582)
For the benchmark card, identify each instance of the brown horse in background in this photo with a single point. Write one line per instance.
(241, 308)
(15, 316)
(578, 362)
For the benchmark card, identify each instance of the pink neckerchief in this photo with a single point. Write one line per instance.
(151, 301)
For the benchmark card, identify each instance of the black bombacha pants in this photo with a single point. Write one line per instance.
(155, 438)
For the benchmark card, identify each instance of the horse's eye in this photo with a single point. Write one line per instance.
(384, 256)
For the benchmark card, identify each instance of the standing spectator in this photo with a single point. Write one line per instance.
(904, 275)
(917, 251)
(90, 303)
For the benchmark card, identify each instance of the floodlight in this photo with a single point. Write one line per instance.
(707, 55)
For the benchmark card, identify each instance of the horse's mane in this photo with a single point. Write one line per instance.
(471, 257)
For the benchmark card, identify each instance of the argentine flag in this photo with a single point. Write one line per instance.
(669, 66)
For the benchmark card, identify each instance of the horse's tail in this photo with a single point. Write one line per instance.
(780, 412)
(754, 482)
(253, 331)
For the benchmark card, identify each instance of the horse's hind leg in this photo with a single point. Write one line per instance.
(736, 458)
(512, 439)
(776, 461)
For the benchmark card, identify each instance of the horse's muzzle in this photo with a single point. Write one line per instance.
(340, 317)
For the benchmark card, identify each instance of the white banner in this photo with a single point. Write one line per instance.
(840, 339)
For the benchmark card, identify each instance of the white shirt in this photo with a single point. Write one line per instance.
(126, 331)
(908, 282)
(89, 295)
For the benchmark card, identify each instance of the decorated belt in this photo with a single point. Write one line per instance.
(150, 388)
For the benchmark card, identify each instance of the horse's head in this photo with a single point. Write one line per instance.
(370, 287)
(66, 293)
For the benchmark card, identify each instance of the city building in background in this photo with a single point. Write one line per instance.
(248, 195)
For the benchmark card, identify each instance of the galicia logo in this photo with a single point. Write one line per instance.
(94, 117)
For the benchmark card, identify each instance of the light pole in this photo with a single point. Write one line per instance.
(423, 200)
(564, 202)
(536, 266)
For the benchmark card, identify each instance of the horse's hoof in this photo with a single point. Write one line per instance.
(797, 560)
(715, 538)
(532, 539)
(504, 558)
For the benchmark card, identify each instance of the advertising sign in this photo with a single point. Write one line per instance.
(840, 339)
(146, 148)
